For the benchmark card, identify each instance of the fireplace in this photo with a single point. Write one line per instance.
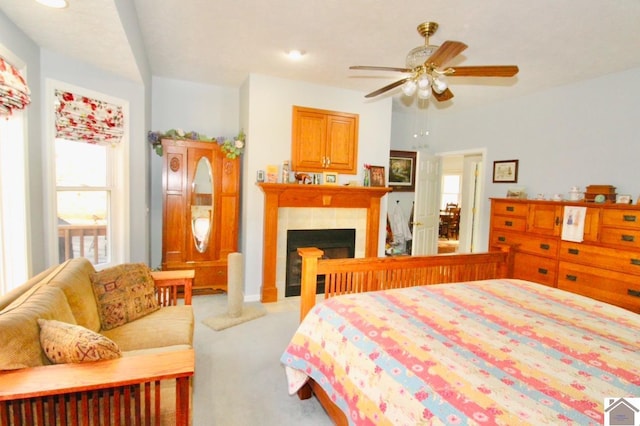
(336, 244)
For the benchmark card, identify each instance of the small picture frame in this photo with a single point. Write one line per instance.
(260, 176)
(377, 175)
(330, 178)
(517, 192)
(402, 170)
(623, 199)
(505, 171)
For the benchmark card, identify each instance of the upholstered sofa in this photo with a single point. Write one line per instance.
(97, 346)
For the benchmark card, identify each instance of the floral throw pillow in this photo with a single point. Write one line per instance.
(64, 343)
(124, 293)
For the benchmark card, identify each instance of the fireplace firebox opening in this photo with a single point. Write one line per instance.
(336, 244)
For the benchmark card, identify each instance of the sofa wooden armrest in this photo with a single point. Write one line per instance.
(169, 282)
(97, 392)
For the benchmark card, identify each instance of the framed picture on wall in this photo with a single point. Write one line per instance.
(377, 175)
(402, 170)
(505, 171)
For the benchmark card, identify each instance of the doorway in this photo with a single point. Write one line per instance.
(468, 166)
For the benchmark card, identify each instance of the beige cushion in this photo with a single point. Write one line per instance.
(74, 279)
(171, 325)
(19, 331)
(124, 293)
(64, 343)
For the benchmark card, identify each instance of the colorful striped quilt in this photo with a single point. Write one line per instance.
(501, 352)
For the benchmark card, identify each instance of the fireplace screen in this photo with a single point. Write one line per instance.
(336, 244)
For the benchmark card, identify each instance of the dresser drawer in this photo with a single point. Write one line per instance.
(621, 218)
(538, 269)
(612, 287)
(509, 223)
(535, 245)
(614, 259)
(623, 238)
(509, 208)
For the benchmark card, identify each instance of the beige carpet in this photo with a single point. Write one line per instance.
(250, 311)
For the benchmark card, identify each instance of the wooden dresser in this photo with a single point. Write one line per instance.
(604, 266)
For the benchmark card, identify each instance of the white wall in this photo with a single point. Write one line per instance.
(15, 42)
(268, 120)
(582, 134)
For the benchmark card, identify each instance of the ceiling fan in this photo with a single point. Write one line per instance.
(425, 66)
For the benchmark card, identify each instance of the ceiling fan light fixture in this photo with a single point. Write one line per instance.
(417, 56)
(424, 93)
(409, 88)
(424, 82)
(439, 85)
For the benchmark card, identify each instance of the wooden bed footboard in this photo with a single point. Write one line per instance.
(344, 276)
(120, 391)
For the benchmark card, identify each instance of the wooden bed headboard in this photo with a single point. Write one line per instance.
(344, 276)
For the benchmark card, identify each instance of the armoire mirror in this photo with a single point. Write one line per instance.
(202, 204)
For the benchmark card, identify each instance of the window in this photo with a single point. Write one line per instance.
(14, 256)
(83, 191)
(450, 190)
(89, 202)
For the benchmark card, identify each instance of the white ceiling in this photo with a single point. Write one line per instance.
(220, 42)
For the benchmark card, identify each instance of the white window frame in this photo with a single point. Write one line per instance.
(118, 229)
(15, 226)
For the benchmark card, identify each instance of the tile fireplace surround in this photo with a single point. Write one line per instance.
(292, 206)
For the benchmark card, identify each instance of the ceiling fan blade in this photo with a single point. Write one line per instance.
(444, 96)
(483, 71)
(446, 52)
(386, 88)
(374, 68)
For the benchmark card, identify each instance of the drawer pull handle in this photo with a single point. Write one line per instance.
(557, 221)
(635, 262)
(573, 251)
(544, 246)
(508, 223)
(572, 277)
(510, 208)
(629, 218)
(543, 271)
(502, 239)
(627, 238)
(634, 293)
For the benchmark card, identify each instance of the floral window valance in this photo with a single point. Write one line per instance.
(80, 118)
(14, 93)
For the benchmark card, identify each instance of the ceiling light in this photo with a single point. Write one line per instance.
(57, 4)
(295, 54)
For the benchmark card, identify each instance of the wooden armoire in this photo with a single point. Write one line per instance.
(201, 198)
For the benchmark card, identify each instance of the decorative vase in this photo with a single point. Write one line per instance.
(367, 178)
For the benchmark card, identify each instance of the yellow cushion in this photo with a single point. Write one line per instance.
(19, 331)
(74, 280)
(124, 293)
(64, 343)
(169, 326)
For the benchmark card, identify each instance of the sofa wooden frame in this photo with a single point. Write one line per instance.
(344, 276)
(124, 390)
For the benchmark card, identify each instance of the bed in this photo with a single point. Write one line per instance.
(484, 349)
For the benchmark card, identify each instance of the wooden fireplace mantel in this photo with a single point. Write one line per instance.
(294, 195)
